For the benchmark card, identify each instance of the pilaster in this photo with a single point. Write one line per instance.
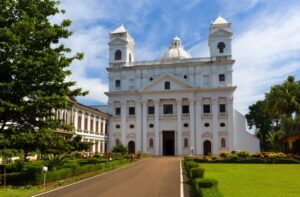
(138, 129)
(123, 123)
(231, 133)
(144, 131)
(192, 123)
(156, 141)
(179, 127)
(215, 111)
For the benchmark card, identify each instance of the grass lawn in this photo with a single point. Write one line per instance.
(251, 180)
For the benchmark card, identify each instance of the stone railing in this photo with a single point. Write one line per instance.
(185, 116)
(150, 116)
(206, 115)
(168, 116)
(222, 115)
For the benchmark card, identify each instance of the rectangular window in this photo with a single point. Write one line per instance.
(118, 83)
(168, 109)
(118, 111)
(185, 109)
(222, 108)
(151, 110)
(206, 108)
(221, 77)
(131, 110)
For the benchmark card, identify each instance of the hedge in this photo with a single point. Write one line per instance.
(206, 187)
(34, 175)
(196, 172)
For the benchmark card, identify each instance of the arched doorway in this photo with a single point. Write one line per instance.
(131, 147)
(206, 147)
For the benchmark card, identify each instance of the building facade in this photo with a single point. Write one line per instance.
(177, 105)
(88, 122)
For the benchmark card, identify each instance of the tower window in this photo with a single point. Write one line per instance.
(221, 77)
(222, 124)
(185, 143)
(167, 85)
(151, 125)
(223, 142)
(131, 126)
(118, 83)
(150, 143)
(118, 126)
(118, 55)
(185, 109)
(206, 124)
(185, 125)
(221, 47)
(185, 76)
(151, 79)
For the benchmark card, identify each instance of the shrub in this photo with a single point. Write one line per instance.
(205, 183)
(251, 160)
(224, 154)
(232, 158)
(19, 165)
(242, 154)
(196, 172)
(120, 148)
(54, 161)
(188, 158)
(286, 161)
(191, 164)
(201, 160)
(59, 174)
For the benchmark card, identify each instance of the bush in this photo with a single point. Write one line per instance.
(286, 161)
(201, 160)
(243, 154)
(232, 158)
(120, 148)
(205, 183)
(54, 161)
(196, 172)
(191, 164)
(224, 154)
(251, 160)
(19, 165)
(188, 158)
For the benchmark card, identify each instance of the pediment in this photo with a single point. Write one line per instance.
(221, 32)
(117, 41)
(159, 83)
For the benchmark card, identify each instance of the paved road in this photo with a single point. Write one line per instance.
(155, 177)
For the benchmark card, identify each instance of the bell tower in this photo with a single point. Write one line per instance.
(121, 47)
(220, 36)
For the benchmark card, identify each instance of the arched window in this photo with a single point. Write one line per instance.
(129, 58)
(185, 143)
(151, 143)
(223, 142)
(117, 141)
(167, 85)
(221, 47)
(118, 55)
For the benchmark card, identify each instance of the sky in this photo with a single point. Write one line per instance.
(265, 45)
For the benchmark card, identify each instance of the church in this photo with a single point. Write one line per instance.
(177, 105)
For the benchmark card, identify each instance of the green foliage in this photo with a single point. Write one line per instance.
(78, 145)
(34, 67)
(196, 172)
(224, 153)
(286, 161)
(242, 153)
(19, 165)
(54, 161)
(120, 148)
(205, 182)
(188, 158)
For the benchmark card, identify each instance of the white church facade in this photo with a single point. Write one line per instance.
(177, 105)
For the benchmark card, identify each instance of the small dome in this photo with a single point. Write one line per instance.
(176, 51)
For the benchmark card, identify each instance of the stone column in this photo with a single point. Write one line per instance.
(94, 145)
(179, 127)
(215, 126)
(198, 133)
(94, 124)
(138, 130)
(123, 123)
(89, 122)
(156, 140)
(75, 123)
(82, 121)
(230, 143)
(104, 126)
(192, 123)
(145, 126)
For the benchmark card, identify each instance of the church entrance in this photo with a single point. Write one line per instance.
(131, 147)
(168, 143)
(206, 147)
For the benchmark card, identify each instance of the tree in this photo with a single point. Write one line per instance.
(283, 101)
(34, 66)
(262, 121)
(120, 148)
(77, 144)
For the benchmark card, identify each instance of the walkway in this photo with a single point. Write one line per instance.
(152, 177)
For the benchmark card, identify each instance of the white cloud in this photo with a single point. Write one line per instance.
(265, 54)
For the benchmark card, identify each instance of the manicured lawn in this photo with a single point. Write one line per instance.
(256, 180)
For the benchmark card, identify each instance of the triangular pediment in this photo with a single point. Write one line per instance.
(221, 32)
(117, 41)
(159, 83)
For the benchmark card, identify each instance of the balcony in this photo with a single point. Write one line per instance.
(151, 116)
(168, 117)
(222, 115)
(206, 115)
(185, 116)
(130, 117)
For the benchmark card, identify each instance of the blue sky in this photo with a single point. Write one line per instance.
(266, 42)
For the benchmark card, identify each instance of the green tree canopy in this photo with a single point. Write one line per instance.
(34, 66)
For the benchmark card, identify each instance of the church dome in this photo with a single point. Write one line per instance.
(176, 51)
